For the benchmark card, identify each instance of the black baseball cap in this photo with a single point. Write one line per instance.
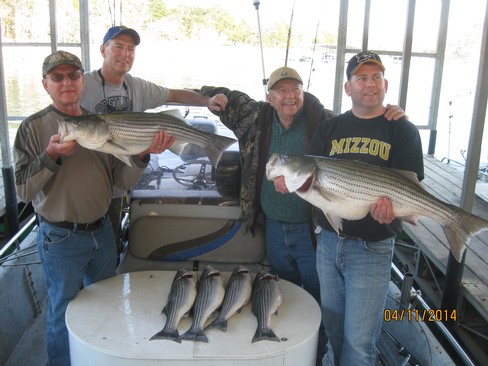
(364, 57)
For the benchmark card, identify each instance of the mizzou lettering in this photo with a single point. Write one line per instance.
(361, 145)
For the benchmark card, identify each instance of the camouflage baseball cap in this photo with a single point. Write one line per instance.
(60, 58)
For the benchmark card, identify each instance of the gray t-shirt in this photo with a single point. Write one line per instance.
(137, 94)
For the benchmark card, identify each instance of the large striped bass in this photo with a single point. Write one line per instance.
(210, 294)
(180, 300)
(130, 133)
(237, 295)
(346, 189)
(266, 300)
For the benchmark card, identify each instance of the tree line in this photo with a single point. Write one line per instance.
(28, 21)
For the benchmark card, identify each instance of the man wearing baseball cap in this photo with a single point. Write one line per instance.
(354, 264)
(70, 188)
(113, 89)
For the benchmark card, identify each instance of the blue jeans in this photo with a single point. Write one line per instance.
(291, 256)
(354, 277)
(71, 259)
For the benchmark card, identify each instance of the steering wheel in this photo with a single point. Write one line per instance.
(200, 181)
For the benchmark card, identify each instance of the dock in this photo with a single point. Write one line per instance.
(427, 259)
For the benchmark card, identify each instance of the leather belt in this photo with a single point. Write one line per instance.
(92, 226)
(343, 235)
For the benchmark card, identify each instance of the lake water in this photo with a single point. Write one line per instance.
(192, 65)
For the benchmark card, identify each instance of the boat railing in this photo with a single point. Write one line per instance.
(405, 280)
(18, 237)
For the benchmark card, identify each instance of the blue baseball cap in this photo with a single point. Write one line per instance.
(115, 31)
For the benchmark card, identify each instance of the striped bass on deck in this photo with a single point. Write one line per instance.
(180, 300)
(346, 189)
(130, 133)
(237, 295)
(266, 300)
(210, 294)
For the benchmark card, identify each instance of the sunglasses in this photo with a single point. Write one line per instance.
(58, 78)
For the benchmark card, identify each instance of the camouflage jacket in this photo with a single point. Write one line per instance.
(251, 122)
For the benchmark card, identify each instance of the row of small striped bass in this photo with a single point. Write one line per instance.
(204, 298)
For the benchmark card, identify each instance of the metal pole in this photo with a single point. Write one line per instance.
(256, 5)
(340, 55)
(12, 214)
(53, 25)
(407, 53)
(406, 289)
(437, 80)
(477, 124)
(85, 35)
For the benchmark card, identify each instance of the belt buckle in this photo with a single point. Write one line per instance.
(88, 227)
(343, 236)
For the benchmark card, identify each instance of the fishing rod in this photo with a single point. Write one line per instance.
(114, 15)
(256, 5)
(313, 54)
(289, 34)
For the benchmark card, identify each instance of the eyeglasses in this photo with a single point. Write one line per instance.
(58, 78)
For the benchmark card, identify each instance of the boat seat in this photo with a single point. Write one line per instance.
(173, 228)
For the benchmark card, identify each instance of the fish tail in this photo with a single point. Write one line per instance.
(167, 334)
(217, 145)
(195, 335)
(460, 231)
(219, 323)
(265, 334)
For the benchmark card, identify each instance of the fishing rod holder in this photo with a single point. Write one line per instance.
(406, 293)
